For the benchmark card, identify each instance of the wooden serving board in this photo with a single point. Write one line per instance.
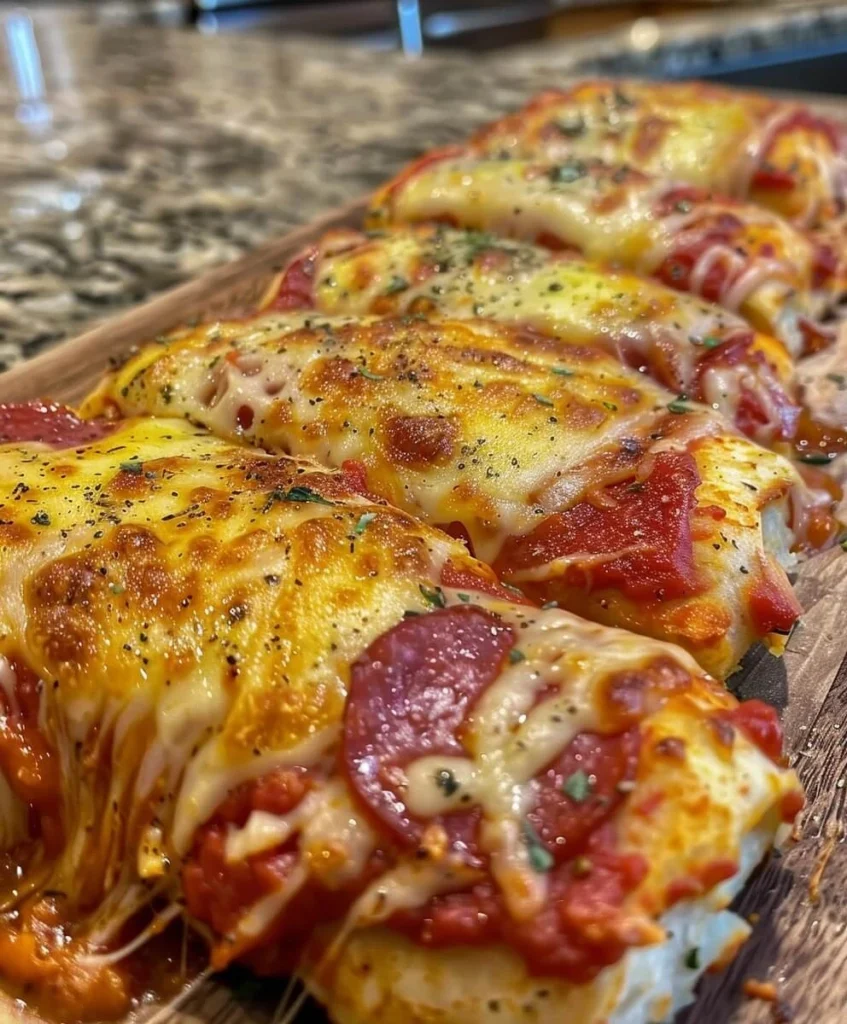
(799, 942)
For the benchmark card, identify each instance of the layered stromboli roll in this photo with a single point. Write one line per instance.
(778, 154)
(742, 256)
(690, 346)
(578, 479)
(237, 692)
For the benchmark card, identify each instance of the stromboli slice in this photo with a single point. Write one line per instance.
(239, 691)
(745, 258)
(779, 154)
(690, 346)
(577, 479)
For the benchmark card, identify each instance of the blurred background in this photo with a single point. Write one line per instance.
(143, 142)
(813, 44)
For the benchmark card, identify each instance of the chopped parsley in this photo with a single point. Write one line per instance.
(540, 858)
(477, 242)
(561, 371)
(611, 406)
(116, 589)
(565, 174)
(396, 284)
(542, 400)
(550, 604)
(435, 597)
(134, 466)
(815, 458)
(692, 959)
(680, 405)
(572, 126)
(516, 656)
(40, 519)
(301, 494)
(839, 379)
(710, 341)
(843, 543)
(364, 522)
(578, 787)
(446, 782)
(464, 597)
(363, 371)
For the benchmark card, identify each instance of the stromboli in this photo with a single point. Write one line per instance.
(778, 154)
(743, 257)
(689, 346)
(241, 647)
(578, 480)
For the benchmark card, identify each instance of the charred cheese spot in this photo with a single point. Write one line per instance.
(420, 441)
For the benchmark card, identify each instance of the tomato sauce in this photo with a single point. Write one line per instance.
(50, 424)
(296, 289)
(676, 269)
(28, 761)
(579, 931)
(638, 540)
(754, 410)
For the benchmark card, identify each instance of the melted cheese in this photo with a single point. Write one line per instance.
(521, 426)
(704, 815)
(768, 265)
(686, 131)
(191, 658)
(640, 322)
(201, 580)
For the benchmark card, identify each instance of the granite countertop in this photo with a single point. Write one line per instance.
(133, 158)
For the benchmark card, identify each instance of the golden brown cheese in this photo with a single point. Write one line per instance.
(690, 346)
(196, 613)
(746, 258)
(578, 479)
(778, 154)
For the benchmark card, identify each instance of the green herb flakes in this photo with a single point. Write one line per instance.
(297, 494)
(540, 858)
(396, 284)
(364, 522)
(363, 371)
(680, 405)
(578, 787)
(435, 597)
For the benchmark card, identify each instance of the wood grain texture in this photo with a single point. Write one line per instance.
(798, 943)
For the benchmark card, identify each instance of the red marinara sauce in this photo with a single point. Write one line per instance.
(48, 423)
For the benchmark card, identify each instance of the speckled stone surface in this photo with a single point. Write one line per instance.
(150, 155)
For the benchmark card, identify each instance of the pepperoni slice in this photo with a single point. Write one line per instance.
(51, 424)
(581, 789)
(296, 287)
(639, 540)
(410, 695)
